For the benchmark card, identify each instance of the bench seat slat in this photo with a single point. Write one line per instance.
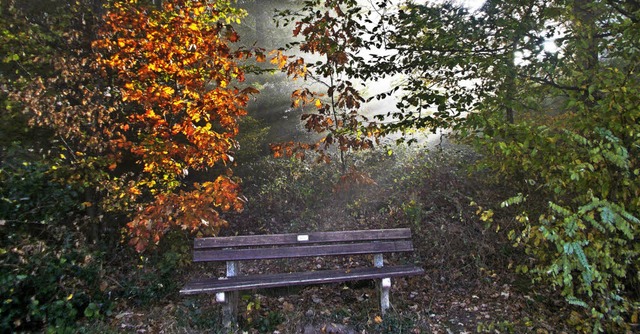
(292, 238)
(214, 285)
(302, 251)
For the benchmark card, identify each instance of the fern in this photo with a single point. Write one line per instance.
(582, 258)
(577, 138)
(559, 209)
(607, 215)
(575, 301)
(513, 200)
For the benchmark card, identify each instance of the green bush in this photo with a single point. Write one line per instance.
(48, 283)
(28, 193)
(297, 184)
(579, 210)
(155, 275)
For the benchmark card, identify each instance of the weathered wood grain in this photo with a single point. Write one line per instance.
(214, 285)
(293, 238)
(301, 251)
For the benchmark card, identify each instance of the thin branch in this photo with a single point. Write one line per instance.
(69, 149)
(552, 83)
(630, 15)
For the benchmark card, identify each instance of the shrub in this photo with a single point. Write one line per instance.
(49, 283)
(28, 193)
(155, 275)
(579, 216)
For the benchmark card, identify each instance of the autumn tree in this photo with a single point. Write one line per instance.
(140, 104)
(332, 35)
(176, 70)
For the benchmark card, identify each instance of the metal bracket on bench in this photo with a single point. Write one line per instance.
(386, 283)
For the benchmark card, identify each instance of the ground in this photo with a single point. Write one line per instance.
(469, 285)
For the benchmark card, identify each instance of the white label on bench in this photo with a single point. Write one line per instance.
(303, 237)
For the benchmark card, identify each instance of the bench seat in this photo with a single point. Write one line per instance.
(215, 285)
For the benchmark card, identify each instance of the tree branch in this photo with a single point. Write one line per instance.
(621, 10)
(552, 83)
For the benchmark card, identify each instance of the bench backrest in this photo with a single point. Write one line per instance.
(276, 246)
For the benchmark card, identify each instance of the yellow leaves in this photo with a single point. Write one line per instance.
(318, 103)
(229, 20)
(279, 59)
(198, 10)
(164, 62)
(168, 90)
(329, 121)
(194, 27)
(485, 215)
(191, 94)
(149, 167)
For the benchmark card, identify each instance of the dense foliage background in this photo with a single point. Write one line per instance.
(122, 122)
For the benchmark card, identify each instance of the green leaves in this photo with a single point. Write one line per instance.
(572, 150)
(513, 200)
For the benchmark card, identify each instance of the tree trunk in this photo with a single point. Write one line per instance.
(93, 229)
(586, 53)
(510, 82)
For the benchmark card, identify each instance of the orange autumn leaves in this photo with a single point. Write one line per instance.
(175, 72)
(326, 30)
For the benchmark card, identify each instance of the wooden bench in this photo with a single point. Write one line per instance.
(315, 244)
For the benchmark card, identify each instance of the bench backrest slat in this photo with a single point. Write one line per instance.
(302, 238)
(302, 251)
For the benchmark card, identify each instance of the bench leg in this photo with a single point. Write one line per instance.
(229, 301)
(385, 286)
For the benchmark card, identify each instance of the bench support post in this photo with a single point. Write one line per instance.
(385, 285)
(230, 299)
